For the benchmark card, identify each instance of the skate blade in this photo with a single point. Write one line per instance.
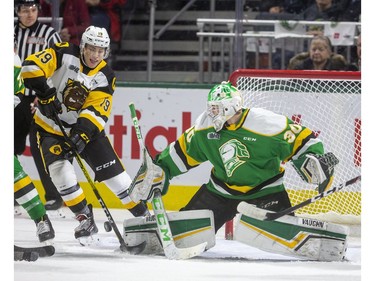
(56, 214)
(92, 240)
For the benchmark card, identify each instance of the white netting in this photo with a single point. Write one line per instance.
(329, 103)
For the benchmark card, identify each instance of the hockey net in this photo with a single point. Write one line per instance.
(329, 103)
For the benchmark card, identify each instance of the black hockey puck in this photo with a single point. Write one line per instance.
(107, 226)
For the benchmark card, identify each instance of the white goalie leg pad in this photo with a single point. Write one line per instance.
(294, 236)
(189, 228)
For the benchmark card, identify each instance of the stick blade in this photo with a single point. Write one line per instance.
(174, 253)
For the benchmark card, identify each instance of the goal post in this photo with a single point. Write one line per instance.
(329, 103)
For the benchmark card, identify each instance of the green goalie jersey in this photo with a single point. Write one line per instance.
(247, 157)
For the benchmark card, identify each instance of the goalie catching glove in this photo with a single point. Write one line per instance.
(150, 177)
(317, 169)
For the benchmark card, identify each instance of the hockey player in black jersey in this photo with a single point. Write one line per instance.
(77, 83)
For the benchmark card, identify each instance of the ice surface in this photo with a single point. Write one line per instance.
(228, 260)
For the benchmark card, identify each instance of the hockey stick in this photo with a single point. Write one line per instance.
(133, 250)
(23, 253)
(262, 214)
(164, 229)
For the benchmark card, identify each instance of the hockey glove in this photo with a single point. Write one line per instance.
(317, 169)
(149, 178)
(49, 105)
(76, 143)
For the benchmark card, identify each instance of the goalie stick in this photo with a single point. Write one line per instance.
(133, 249)
(255, 212)
(164, 229)
(32, 253)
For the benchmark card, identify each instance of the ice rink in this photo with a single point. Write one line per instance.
(228, 260)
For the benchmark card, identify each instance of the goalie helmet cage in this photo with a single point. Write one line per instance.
(327, 102)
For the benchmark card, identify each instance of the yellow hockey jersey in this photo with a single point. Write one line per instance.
(62, 67)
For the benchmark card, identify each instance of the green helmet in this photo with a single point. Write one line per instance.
(224, 101)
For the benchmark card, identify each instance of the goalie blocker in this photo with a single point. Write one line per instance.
(189, 228)
(292, 236)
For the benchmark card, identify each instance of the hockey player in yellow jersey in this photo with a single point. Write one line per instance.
(77, 83)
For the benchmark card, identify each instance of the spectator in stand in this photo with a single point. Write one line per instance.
(297, 6)
(32, 36)
(351, 10)
(273, 10)
(359, 50)
(98, 15)
(319, 57)
(322, 10)
(271, 6)
(76, 18)
(106, 13)
(357, 66)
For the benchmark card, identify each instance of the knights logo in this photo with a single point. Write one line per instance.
(231, 153)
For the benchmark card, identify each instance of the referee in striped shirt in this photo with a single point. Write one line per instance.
(32, 36)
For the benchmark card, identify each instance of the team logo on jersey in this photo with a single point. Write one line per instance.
(213, 136)
(56, 149)
(231, 153)
(74, 95)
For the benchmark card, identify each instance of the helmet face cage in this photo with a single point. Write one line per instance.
(224, 100)
(96, 36)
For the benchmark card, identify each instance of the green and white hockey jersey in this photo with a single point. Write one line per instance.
(247, 157)
(19, 87)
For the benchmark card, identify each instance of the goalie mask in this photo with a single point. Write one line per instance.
(96, 36)
(224, 101)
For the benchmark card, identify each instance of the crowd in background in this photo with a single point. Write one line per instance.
(79, 14)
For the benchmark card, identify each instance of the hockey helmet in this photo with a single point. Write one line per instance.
(96, 36)
(224, 101)
(19, 3)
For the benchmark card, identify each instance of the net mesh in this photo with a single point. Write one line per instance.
(330, 106)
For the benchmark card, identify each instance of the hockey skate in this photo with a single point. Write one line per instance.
(44, 229)
(86, 229)
(54, 208)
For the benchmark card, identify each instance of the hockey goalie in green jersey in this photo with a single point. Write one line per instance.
(247, 148)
